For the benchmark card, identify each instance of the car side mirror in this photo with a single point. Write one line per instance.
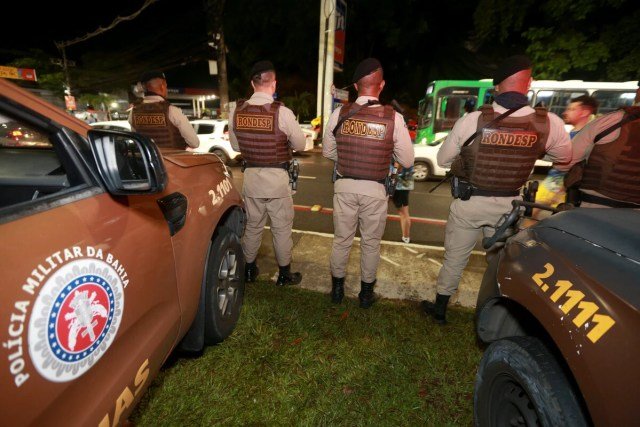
(128, 163)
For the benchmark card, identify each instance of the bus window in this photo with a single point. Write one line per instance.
(425, 112)
(450, 106)
(556, 101)
(609, 100)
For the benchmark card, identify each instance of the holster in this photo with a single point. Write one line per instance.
(294, 171)
(390, 183)
(461, 189)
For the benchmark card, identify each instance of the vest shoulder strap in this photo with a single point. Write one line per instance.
(630, 115)
(275, 105)
(541, 111)
(487, 111)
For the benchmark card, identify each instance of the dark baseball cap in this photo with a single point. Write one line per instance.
(152, 74)
(364, 68)
(261, 66)
(510, 66)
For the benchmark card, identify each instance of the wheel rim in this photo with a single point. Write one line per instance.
(510, 404)
(420, 171)
(228, 282)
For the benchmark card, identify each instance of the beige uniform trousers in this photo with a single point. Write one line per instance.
(280, 213)
(466, 220)
(351, 210)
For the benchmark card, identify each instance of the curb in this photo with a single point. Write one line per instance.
(405, 272)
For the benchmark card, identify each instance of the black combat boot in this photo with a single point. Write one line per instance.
(437, 310)
(366, 295)
(251, 272)
(286, 277)
(337, 289)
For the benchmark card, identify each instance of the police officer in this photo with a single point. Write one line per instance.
(362, 138)
(606, 161)
(264, 131)
(504, 141)
(157, 119)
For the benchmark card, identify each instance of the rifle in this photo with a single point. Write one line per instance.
(446, 177)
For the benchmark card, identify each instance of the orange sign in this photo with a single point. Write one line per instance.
(18, 73)
(70, 102)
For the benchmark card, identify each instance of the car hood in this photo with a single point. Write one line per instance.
(188, 159)
(615, 229)
(601, 245)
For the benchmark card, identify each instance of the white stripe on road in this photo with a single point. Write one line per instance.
(306, 177)
(389, 260)
(439, 264)
(386, 242)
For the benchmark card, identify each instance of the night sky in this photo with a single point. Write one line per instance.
(172, 35)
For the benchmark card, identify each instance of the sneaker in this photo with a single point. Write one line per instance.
(406, 239)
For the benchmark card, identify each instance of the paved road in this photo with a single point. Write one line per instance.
(429, 210)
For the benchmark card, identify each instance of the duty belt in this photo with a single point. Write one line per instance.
(381, 181)
(284, 165)
(590, 198)
(495, 193)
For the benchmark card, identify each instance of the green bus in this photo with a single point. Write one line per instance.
(445, 101)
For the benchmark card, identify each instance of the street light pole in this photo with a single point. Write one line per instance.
(325, 61)
(65, 67)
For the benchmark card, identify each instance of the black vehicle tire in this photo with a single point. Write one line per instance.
(519, 383)
(224, 287)
(220, 153)
(422, 171)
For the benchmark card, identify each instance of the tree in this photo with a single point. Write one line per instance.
(582, 39)
(303, 105)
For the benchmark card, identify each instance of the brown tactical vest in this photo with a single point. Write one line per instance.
(365, 142)
(151, 120)
(613, 169)
(261, 141)
(501, 157)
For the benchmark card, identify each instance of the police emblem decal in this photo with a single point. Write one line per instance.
(75, 319)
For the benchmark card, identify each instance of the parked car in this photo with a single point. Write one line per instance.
(559, 309)
(214, 138)
(112, 125)
(114, 253)
(426, 164)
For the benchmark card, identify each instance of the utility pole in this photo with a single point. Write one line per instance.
(65, 66)
(325, 61)
(214, 10)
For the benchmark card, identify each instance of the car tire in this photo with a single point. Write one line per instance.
(519, 382)
(224, 286)
(422, 171)
(221, 154)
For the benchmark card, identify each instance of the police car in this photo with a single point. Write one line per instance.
(113, 254)
(559, 308)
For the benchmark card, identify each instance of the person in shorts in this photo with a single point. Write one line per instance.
(401, 201)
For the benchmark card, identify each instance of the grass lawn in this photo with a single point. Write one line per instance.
(295, 358)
